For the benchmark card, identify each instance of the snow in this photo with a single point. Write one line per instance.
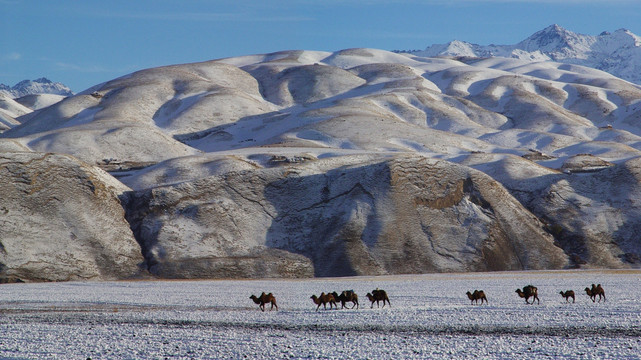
(430, 317)
(40, 101)
(12, 108)
(618, 53)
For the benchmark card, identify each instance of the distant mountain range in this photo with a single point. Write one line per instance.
(35, 87)
(617, 53)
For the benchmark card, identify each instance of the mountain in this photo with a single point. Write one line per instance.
(28, 96)
(617, 53)
(312, 163)
(35, 87)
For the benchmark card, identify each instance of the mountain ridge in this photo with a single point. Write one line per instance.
(35, 87)
(618, 53)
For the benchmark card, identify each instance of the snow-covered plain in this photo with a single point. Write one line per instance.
(430, 317)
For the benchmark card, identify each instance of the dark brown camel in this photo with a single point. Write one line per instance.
(376, 296)
(567, 295)
(324, 299)
(529, 292)
(347, 296)
(476, 296)
(265, 299)
(594, 291)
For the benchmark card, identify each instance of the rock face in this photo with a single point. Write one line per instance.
(608, 202)
(62, 220)
(405, 214)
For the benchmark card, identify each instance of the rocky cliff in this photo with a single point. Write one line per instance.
(62, 220)
(368, 215)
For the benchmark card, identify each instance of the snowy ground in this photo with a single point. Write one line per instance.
(430, 317)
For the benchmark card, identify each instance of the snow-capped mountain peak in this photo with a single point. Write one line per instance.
(35, 87)
(557, 41)
(618, 53)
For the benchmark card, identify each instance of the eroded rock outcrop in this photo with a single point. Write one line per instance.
(358, 216)
(62, 220)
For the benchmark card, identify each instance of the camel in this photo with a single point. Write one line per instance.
(264, 299)
(567, 295)
(594, 291)
(376, 296)
(529, 292)
(347, 296)
(324, 299)
(476, 296)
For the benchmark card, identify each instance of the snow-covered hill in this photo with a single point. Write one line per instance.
(28, 96)
(359, 161)
(618, 53)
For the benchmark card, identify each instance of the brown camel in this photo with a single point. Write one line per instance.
(376, 296)
(594, 291)
(265, 299)
(476, 296)
(324, 299)
(529, 292)
(567, 295)
(345, 297)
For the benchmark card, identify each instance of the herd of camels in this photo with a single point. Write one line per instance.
(378, 295)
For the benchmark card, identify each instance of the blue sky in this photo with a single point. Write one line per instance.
(84, 43)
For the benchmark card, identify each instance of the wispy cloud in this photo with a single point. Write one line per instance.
(13, 56)
(82, 68)
(204, 17)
